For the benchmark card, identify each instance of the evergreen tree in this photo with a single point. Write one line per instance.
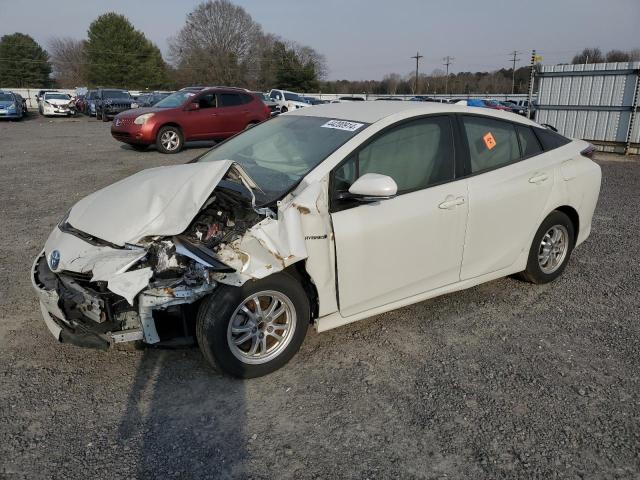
(23, 63)
(118, 55)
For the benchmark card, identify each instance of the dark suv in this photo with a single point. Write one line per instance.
(110, 102)
(211, 113)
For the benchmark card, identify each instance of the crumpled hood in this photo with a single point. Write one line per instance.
(155, 202)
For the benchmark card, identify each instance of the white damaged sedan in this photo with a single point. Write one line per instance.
(322, 217)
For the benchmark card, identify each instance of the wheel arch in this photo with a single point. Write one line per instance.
(573, 215)
(168, 124)
(298, 271)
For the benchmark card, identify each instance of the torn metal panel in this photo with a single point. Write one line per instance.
(160, 299)
(302, 231)
(108, 264)
(129, 284)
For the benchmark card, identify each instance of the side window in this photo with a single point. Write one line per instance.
(246, 98)
(229, 100)
(550, 139)
(528, 142)
(416, 155)
(208, 100)
(492, 143)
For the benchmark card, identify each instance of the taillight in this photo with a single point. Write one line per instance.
(588, 152)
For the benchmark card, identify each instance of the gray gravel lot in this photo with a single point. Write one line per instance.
(505, 380)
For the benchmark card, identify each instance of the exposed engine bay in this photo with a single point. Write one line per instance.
(192, 256)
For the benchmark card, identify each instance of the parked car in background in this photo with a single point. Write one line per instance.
(80, 102)
(315, 101)
(390, 99)
(56, 104)
(11, 105)
(513, 107)
(351, 99)
(210, 114)
(110, 102)
(285, 225)
(495, 105)
(287, 100)
(23, 101)
(150, 99)
(274, 108)
(89, 104)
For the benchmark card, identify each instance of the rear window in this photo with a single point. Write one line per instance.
(528, 142)
(550, 139)
(229, 100)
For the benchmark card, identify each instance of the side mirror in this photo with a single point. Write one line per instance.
(278, 97)
(193, 106)
(372, 187)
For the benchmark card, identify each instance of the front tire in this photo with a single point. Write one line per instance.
(551, 248)
(105, 117)
(255, 329)
(284, 110)
(169, 140)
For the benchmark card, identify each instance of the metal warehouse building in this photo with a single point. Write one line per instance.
(596, 102)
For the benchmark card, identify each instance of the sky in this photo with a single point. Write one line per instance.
(366, 39)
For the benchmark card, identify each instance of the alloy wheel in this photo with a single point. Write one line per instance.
(553, 249)
(261, 327)
(170, 140)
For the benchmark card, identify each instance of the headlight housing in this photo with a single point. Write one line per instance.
(142, 119)
(12, 107)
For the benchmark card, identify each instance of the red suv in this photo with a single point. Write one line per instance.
(190, 114)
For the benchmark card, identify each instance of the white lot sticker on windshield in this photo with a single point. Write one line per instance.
(342, 125)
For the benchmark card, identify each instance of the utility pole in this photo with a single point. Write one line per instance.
(417, 57)
(515, 59)
(447, 61)
(534, 59)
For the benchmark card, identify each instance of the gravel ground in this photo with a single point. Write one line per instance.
(505, 380)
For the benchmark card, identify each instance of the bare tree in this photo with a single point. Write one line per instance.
(68, 59)
(617, 56)
(218, 44)
(588, 55)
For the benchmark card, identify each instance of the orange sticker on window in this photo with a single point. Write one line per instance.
(489, 141)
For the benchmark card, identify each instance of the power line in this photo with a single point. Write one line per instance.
(417, 56)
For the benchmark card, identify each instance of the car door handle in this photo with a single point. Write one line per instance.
(539, 178)
(451, 202)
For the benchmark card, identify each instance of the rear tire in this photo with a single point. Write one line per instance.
(230, 314)
(551, 249)
(169, 140)
(105, 117)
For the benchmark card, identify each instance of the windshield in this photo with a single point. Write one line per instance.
(57, 96)
(174, 100)
(115, 94)
(278, 153)
(294, 97)
(6, 97)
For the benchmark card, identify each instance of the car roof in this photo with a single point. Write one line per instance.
(372, 112)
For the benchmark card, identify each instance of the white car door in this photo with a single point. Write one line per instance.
(400, 247)
(508, 192)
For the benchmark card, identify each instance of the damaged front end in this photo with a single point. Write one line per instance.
(97, 289)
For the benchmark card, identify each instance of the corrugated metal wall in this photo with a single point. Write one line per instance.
(593, 102)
